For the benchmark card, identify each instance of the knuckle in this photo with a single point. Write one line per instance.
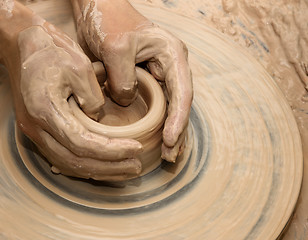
(81, 66)
(118, 45)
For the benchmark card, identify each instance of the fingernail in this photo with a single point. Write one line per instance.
(55, 170)
(125, 96)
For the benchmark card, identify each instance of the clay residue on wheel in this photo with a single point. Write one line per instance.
(276, 34)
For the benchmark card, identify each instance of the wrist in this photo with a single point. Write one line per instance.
(11, 25)
(111, 16)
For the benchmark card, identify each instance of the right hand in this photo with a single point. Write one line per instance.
(52, 68)
(119, 36)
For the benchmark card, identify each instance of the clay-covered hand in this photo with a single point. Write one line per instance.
(53, 68)
(114, 32)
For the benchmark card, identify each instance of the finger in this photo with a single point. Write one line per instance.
(86, 89)
(171, 153)
(179, 86)
(121, 73)
(68, 130)
(71, 165)
(168, 62)
(100, 72)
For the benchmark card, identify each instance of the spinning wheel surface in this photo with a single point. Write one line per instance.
(239, 177)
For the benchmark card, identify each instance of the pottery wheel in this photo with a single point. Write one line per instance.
(239, 177)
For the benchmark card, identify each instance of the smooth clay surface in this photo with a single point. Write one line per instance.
(239, 177)
(142, 120)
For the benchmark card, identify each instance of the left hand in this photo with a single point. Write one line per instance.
(115, 33)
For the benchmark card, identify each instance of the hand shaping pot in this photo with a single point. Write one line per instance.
(143, 120)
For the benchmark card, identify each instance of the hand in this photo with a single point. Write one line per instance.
(46, 68)
(114, 32)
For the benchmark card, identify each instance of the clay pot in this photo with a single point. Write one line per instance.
(142, 120)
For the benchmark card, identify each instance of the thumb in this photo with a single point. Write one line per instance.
(122, 79)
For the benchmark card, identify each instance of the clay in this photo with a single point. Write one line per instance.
(120, 122)
(238, 178)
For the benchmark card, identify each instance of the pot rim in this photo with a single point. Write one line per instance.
(153, 119)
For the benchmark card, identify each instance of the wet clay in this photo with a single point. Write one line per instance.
(142, 120)
(238, 178)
